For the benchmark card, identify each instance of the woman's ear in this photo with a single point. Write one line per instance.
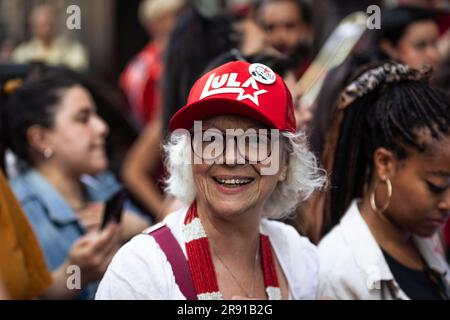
(385, 163)
(388, 48)
(38, 139)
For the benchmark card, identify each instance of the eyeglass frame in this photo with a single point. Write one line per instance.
(225, 136)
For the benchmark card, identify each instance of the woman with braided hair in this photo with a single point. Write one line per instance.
(388, 156)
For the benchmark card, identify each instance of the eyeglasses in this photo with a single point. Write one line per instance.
(251, 146)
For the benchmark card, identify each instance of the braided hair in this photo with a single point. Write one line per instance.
(384, 106)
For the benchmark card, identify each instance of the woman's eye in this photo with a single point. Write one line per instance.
(435, 189)
(290, 25)
(421, 45)
(83, 119)
(269, 27)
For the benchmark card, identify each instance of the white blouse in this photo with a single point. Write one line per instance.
(352, 265)
(140, 269)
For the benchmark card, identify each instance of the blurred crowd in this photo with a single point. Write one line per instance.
(70, 139)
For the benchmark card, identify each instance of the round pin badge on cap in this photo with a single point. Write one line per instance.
(262, 73)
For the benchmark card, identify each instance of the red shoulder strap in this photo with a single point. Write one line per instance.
(171, 248)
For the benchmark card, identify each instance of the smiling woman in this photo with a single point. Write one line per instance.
(301, 174)
(231, 248)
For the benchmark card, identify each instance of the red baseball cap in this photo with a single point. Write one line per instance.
(239, 88)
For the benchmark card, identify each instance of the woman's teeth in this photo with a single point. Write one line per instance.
(234, 182)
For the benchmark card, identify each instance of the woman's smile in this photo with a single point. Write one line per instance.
(233, 184)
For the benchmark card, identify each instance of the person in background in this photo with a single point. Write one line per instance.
(196, 39)
(7, 46)
(46, 46)
(252, 36)
(52, 125)
(140, 79)
(23, 271)
(388, 156)
(441, 79)
(409, 35)
(288, 28)
(441, 9)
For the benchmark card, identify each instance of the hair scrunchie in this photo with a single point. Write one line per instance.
(377, 75)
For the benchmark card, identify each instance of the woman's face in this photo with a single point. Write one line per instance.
(77, 137)
(235, 189)
(420, 200)
(418, 46)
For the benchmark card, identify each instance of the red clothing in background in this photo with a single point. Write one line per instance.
(140, 82)
(443, 20)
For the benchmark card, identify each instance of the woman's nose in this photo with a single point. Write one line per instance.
(101, 126)
(434, 56)
(230, 152)
(232, 155)
(444, 204)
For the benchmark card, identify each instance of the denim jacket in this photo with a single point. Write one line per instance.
(53, 220)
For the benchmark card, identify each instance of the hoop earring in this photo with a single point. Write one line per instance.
(48, 153)
(389, 193)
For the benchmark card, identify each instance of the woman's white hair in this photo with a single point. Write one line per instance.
(302, 178)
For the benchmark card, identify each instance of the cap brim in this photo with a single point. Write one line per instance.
(200, 110)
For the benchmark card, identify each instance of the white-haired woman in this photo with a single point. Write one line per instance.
(247, 165)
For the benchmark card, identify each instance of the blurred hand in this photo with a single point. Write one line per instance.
(92, 216)
(94, 251)
(303, 114)
(253, 37)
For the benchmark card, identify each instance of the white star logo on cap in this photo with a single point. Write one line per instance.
(254, 97)
(226, 83)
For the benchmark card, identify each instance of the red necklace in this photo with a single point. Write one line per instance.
(202, 268)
